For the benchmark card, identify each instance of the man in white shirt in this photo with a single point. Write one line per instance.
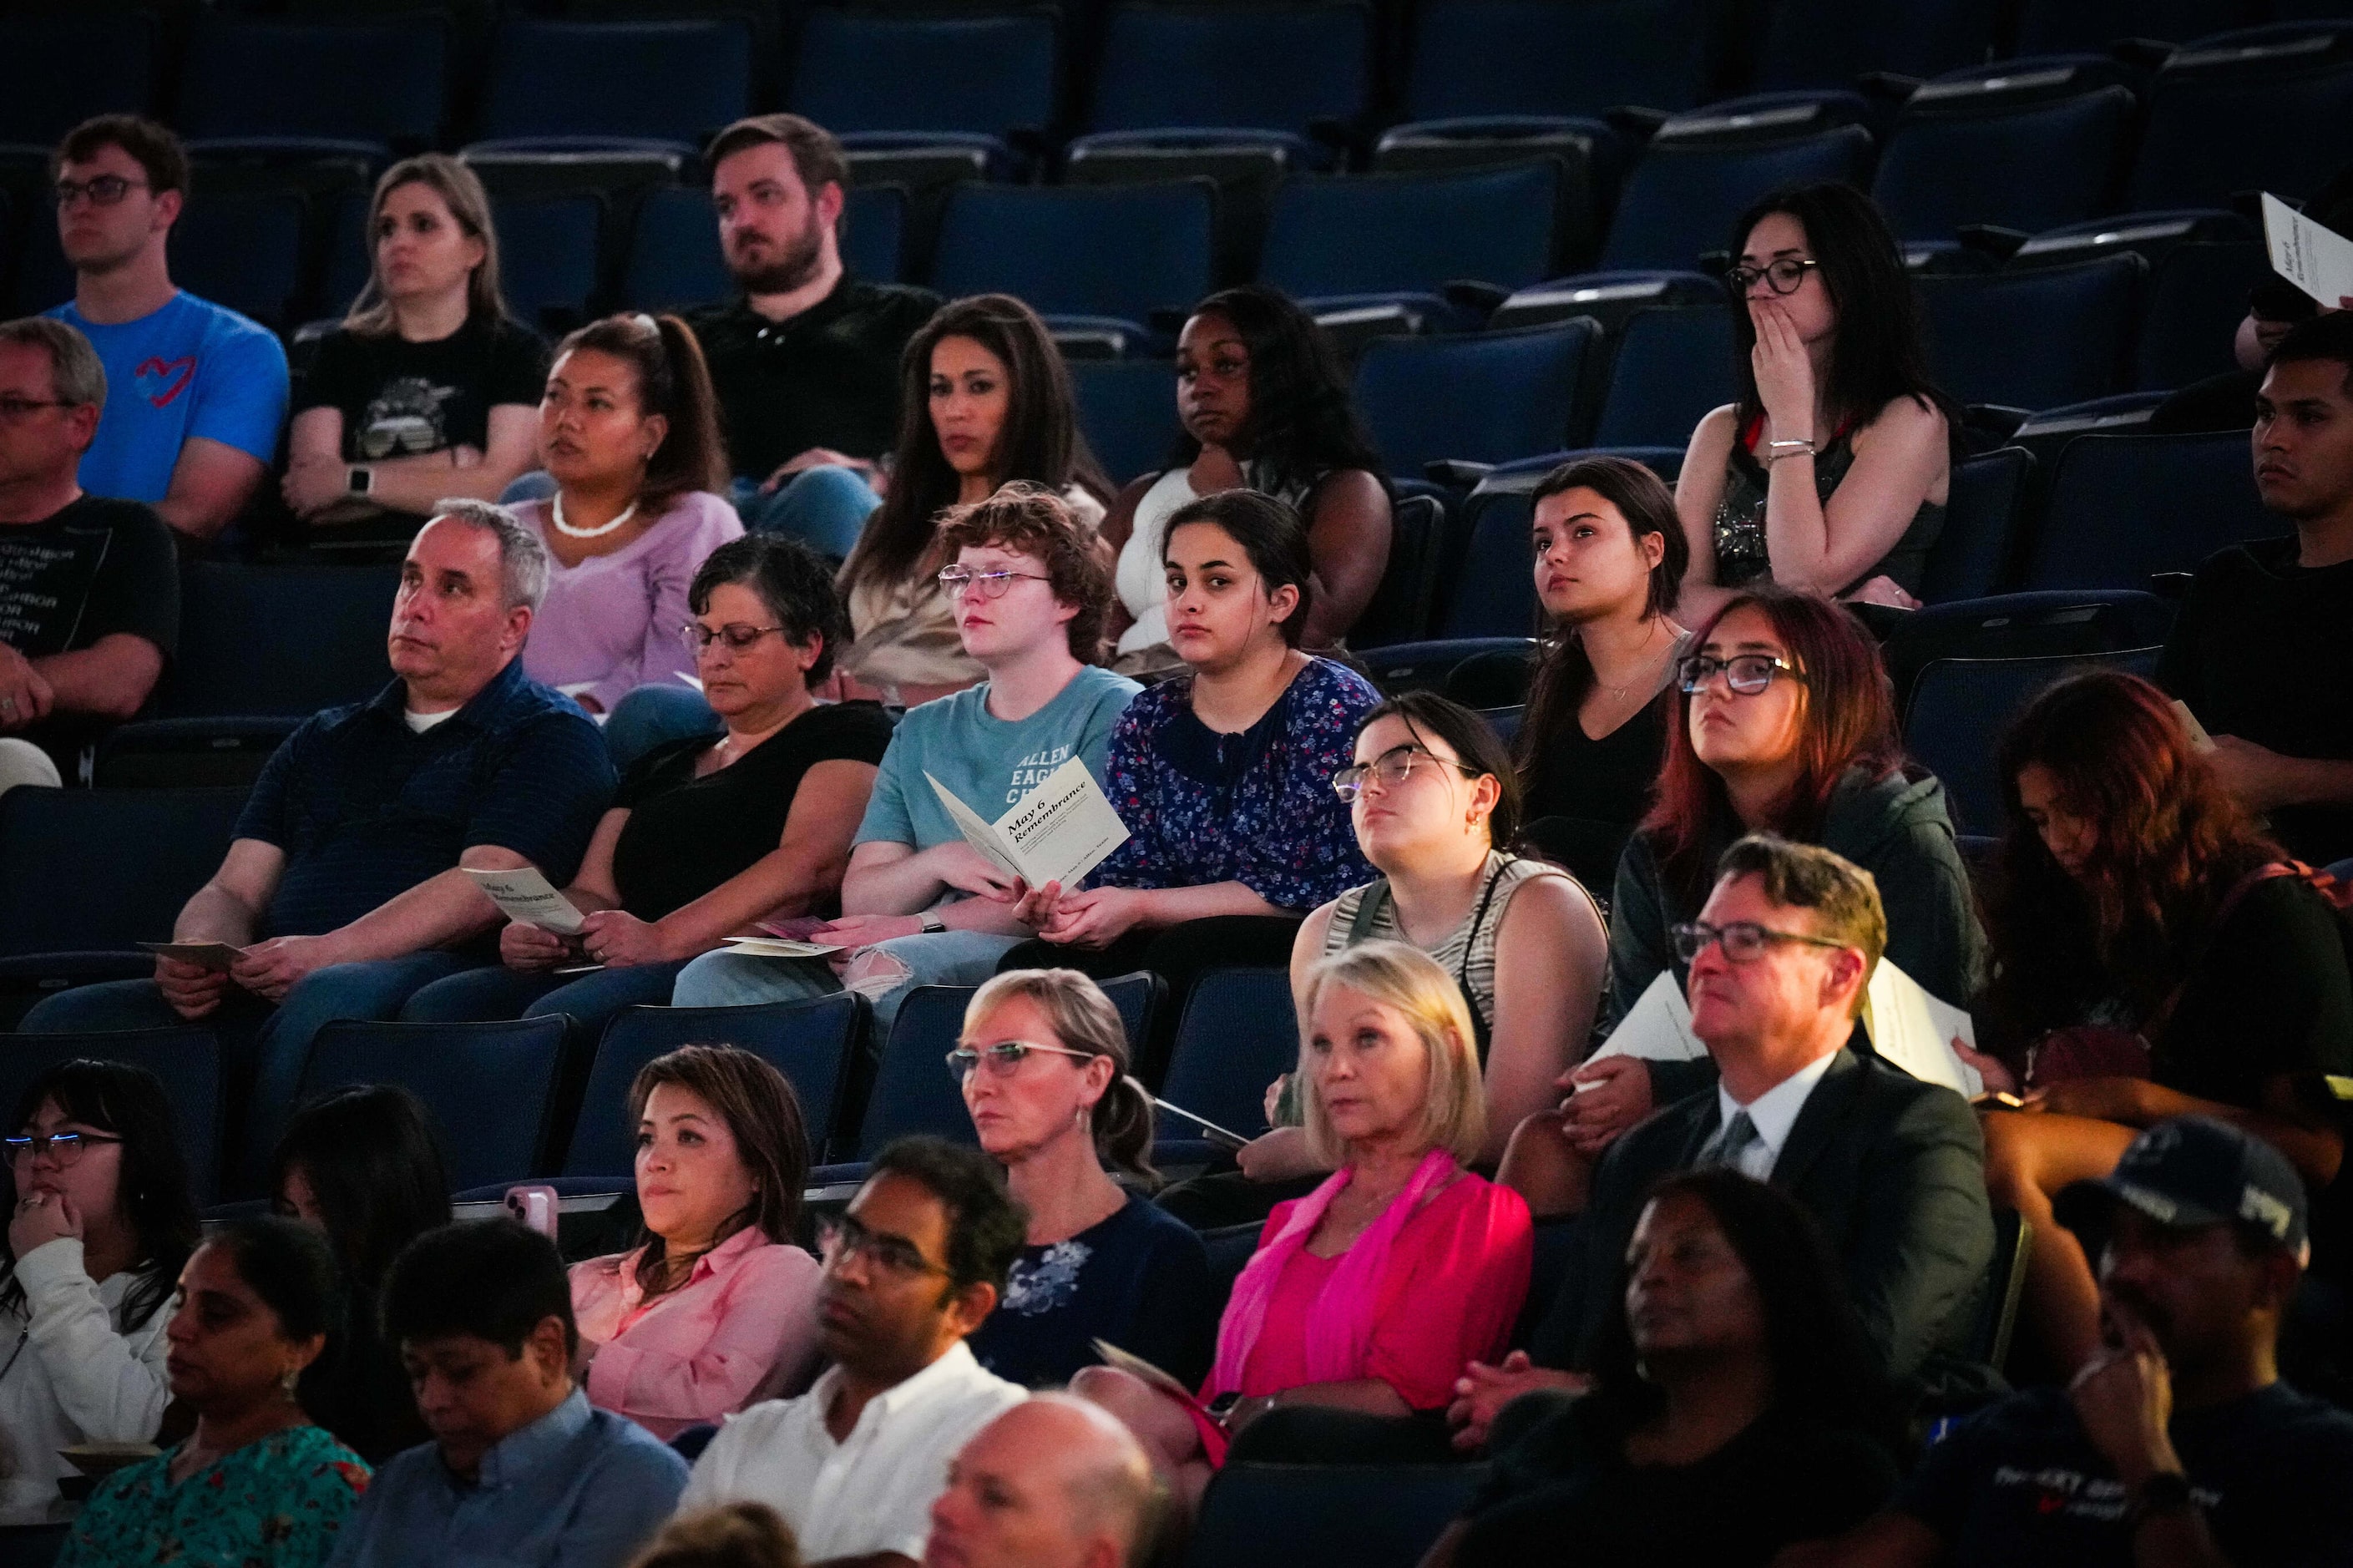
(918, 1260)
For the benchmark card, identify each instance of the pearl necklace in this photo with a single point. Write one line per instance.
(555, 513)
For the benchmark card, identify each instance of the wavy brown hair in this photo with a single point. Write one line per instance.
(1033, 521)
(2170, 845)
(764, 1117)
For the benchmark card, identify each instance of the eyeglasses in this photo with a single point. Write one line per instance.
(845, 1238)
(1003, 1057)
(15, 408)
(65, 1147)
(735, 635)
(1746, 673)
(1782, 276)
(1744, 941)
(103, 190)
(955, 580)
(1392, 767)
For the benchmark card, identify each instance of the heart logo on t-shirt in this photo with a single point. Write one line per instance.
(162, 380)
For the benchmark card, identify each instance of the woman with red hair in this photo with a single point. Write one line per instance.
(2153, 956)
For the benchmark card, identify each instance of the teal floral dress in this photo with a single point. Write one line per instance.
(277, 1503)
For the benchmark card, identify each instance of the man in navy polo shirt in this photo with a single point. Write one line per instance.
(342, 888)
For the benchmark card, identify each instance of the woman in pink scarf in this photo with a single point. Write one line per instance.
(1371, 1293)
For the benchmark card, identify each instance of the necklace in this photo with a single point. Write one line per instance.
(1617, 693)
(555, 513)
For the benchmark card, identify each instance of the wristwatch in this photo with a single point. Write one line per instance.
(358, 481)
(2163, 1492)
(931, 922)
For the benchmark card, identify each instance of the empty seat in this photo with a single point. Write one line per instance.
(1127, 411)
(278, 639)
(1238, 1034)
(1960, 707)
(1980, 522)
(2227, 119)
(490, 1088)
(1683, 195)
(873, 233)
(1282, 69)
(2034, 337)
(972, 75)
(1118, 253)
(675, 257)
(2048, 624)
(2028, 166)
(187, 1059)
(1411, 235)
(59, 67)
(548, 254)
(2197, 298)
(1328, 1516)
(2058, 27)
(244, 251)
(1478, 57)
(1398, 611)
(1488, 589)
(2123, 507)
(1674, 366)
(913, 1091)
(1828, 43)
(1484, 397)
(374, 88)
(671, 83)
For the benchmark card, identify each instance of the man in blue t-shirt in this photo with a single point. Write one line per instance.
(196, 393)
(921, 906)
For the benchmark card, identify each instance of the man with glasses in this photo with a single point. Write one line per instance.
(90, 596)
(1893, 1168)
(913, 1266)
(197, 393)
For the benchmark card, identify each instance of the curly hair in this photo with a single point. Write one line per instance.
(1031, 519)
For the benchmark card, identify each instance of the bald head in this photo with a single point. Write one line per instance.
(1054, 1482)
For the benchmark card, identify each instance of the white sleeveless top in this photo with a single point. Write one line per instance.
(1141, 581)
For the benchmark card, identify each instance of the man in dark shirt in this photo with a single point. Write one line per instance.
(89, 594)
(2179, 1444)
(342, 892)
(2254, 651)
(806, 360)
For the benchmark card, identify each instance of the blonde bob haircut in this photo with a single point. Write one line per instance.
(1454, 1102)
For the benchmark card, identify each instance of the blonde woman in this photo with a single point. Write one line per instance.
(1044, 1064)
(1372, 1293)
(429, 388)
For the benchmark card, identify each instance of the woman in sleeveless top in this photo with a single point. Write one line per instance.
(1831, 470)
(1265, 407)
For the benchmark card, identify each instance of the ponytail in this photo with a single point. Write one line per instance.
(1123, 1129)
(1084, 1020)
(673, 381)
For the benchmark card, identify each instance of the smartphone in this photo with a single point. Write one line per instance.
(536, 1207)
(1995, 1099)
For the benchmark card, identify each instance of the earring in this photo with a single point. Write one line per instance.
(294, 1375)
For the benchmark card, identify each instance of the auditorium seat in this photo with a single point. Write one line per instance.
(2124, 507)
(2034, 337)
(187, 1059)
(1398, 611)
(2197, 298)
(1482, 397)
(61, 65)
(668, 84)
(1686, 189)
(489, 1088)
(1830, 43)
(277, 639)
(1970, 557)
(1482, 58)
(674, 257)
(550, 249)
(1104, 258)
(1960, 707)
(244, 251)
(1238, 1034)
(1964, 158)
(1398, 240)
(375, 90)
(1672, 367)
(989, 79)
(1488, 587)
(2060, 26)
(1127, 411)
(2235, 113)
(1297, 72)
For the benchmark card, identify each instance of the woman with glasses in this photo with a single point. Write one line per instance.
(1044, 1065)
(710, 836)
(1222, 774)
(1785, 725)
(1831, 470)
(716, 1307)
(987, 402)
(100, 1222)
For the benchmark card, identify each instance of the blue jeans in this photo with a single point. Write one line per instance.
(653, 715)
(590, 1000)
(263, 1048)
(933, 958)
(825, 507)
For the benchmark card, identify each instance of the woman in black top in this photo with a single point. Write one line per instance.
(429, 388)
(709, 836)
(1609, 563)
(2152, 958)
(1733, 1407)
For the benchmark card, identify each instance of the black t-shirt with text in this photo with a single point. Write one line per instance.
(400, 399)
(90, 570)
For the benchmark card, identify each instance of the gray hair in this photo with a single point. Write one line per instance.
(76, 377)
(523, 554)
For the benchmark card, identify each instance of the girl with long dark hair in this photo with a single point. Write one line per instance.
(1831, 470)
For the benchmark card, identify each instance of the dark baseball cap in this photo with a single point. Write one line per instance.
(2191, 1171)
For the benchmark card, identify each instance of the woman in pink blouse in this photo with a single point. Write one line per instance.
(716, 1308)
(1372, 1292)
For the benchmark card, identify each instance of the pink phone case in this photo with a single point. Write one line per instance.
(536, 1207)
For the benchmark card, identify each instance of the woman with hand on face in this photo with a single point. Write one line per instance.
(1043, 1060)
(708, 835)
(987, 402)
(715, 1310)
(256, 1483)
(1265, 407)
(2153, 956)
(1831, 472)
(428, 388)
(99, 1221)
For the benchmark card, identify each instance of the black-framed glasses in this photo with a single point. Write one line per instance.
(955, 580)
(1746, 673)
(1781, 276)
(15, 408)
(845, 1238)
(1744, 941)
(103, 190)
(736, 635)
(1392, 768)
(1004, 1058)
(65, 1147)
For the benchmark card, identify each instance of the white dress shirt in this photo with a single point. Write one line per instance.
(1772, 1113)
(871, 1493)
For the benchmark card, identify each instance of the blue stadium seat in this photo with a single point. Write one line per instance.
(1828, 43)
(1980, 522)
(2034, 337)
(875, 232)
(1238, 1034)
(1683, 195)
(1288, 70)
(1960, 707)
(1488, 589)
(2232, 114)
(548, 251)
(1398, 611)
(2197, 298)
(812, 1043)
(1482, 58)
(1127, 410)
(2060, 26)
(983, 76)
(1328, 1516)
(489, 1087)
(188, 1061)
(1404, 237)
(1481, 397)
(1431, 666)
(372, 88)
(2044, 623)
(1116, 254)
(2028, 166)
(2123, 507)
(278, 639)
(669, 84)
(60, 65)
(1672, 367)
(674, 255)
(244, 251)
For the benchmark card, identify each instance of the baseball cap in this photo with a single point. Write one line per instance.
(2193, 1170)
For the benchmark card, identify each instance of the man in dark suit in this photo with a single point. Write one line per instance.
(1893, 1168)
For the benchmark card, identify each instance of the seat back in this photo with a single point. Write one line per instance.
(278, 639)
(1507, 56)
(2123, 507)
(549, 248)
(914, 1090)
(379, 81)
(668, 81)
(2005, 1287)
(1484, 397)
(1674, 366)
(491, 1087)
(1273, 67)
(1828, 43)
(675, 257)
(1328, 1516)
(2219, 125)
(2197, 297)
(1366, 234)
(2034, 337)
(1980, 521)
(2029, 167)
(1960, 707)
(84, 870)
(873, 233)
(1238, 1034)
(59, 64)
(1127, 409)
(1123, 251)
(1399, 610)
(244, 251)
(187, 1060)
(1488, 589)
(1683, 195)
(2062, 27)
(981, 75)
(812, 1043)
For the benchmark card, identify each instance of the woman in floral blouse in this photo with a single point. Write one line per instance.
(256, 1485)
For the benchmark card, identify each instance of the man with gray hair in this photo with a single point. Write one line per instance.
(1055, 1482)
(342, 891)
(89, 594)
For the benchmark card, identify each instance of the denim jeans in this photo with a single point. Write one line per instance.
(825, 507)
(590, 1000)
(933, 958)
(652, 716)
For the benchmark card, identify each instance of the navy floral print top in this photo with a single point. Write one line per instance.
(276, 1503)
(1255, 808)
